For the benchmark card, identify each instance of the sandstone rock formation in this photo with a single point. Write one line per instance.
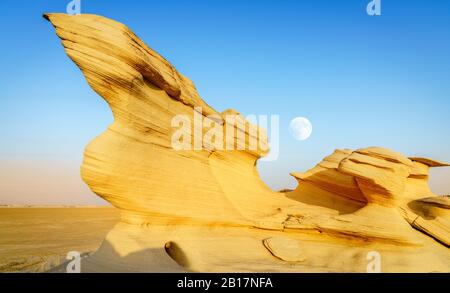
(204, 208)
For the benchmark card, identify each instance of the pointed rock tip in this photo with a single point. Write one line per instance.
(429, 162)
(297, 175)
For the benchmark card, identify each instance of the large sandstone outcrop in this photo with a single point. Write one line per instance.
(204, 208)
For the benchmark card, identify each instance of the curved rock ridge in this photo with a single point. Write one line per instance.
(199, 205)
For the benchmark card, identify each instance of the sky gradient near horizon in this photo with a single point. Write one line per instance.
(361, 81)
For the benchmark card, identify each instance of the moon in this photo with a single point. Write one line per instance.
(300, 128)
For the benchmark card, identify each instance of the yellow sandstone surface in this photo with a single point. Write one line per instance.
(204, 208)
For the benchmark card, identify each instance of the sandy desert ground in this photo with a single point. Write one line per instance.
(37, 239)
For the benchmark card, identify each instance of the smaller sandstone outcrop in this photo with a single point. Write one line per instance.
(380, 176)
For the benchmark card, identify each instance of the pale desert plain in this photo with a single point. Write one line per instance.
(36, 239)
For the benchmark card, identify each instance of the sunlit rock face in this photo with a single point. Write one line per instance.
(199, 205)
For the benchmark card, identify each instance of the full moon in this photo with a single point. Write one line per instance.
(300, 128)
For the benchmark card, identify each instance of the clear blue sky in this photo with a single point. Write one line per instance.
(361, 80)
